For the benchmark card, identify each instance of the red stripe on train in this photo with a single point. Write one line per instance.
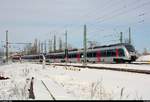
(98, 56)
(78, 56)
(117, 54)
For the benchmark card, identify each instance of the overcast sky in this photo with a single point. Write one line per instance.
(29, 19)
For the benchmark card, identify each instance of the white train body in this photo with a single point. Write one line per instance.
(107, 54)
(117, 53)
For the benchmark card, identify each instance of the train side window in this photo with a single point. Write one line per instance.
(103, 53)
(81, 55)
(69, 56)
(89, 54)
(58, 56)
(108, 53)
(121, 52)
(94, 54)
(42, 57)
(75, 55)
(113, 52)
(51, 56)
(61, 56)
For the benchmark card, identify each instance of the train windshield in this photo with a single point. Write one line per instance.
(130, 48)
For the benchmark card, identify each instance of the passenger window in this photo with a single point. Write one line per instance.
(103, 53)
(94, 54)
(121, 52)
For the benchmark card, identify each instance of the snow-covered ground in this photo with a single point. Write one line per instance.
(119, 66)
(144, 58)
(64, 83)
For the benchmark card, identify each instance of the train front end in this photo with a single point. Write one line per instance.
(132, 52)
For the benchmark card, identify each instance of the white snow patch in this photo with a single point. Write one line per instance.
(144, 58)
(86, 84)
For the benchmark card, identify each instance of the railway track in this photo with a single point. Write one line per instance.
(107, 68)
(141, 63)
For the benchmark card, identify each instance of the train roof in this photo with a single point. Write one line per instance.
(60, 51)
(112, 45)
(104, 46)
(72, 50)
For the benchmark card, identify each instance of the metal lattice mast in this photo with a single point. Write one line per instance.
(121, 37)
(54, 43)
(129, 35)
(7, 46)
(85, 46)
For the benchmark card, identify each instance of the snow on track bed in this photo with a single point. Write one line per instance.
(141, 62)
(41, 93)
(47, 89)
(82, 85)
(144, 69)
(57, 92)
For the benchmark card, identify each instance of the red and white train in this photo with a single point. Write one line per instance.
(108, 54)
(116, 53)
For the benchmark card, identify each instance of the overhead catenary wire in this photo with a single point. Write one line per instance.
(107, 4)
(134, 8)
(120, 13)
(114, 11)
(118, 9)
(124, 12)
